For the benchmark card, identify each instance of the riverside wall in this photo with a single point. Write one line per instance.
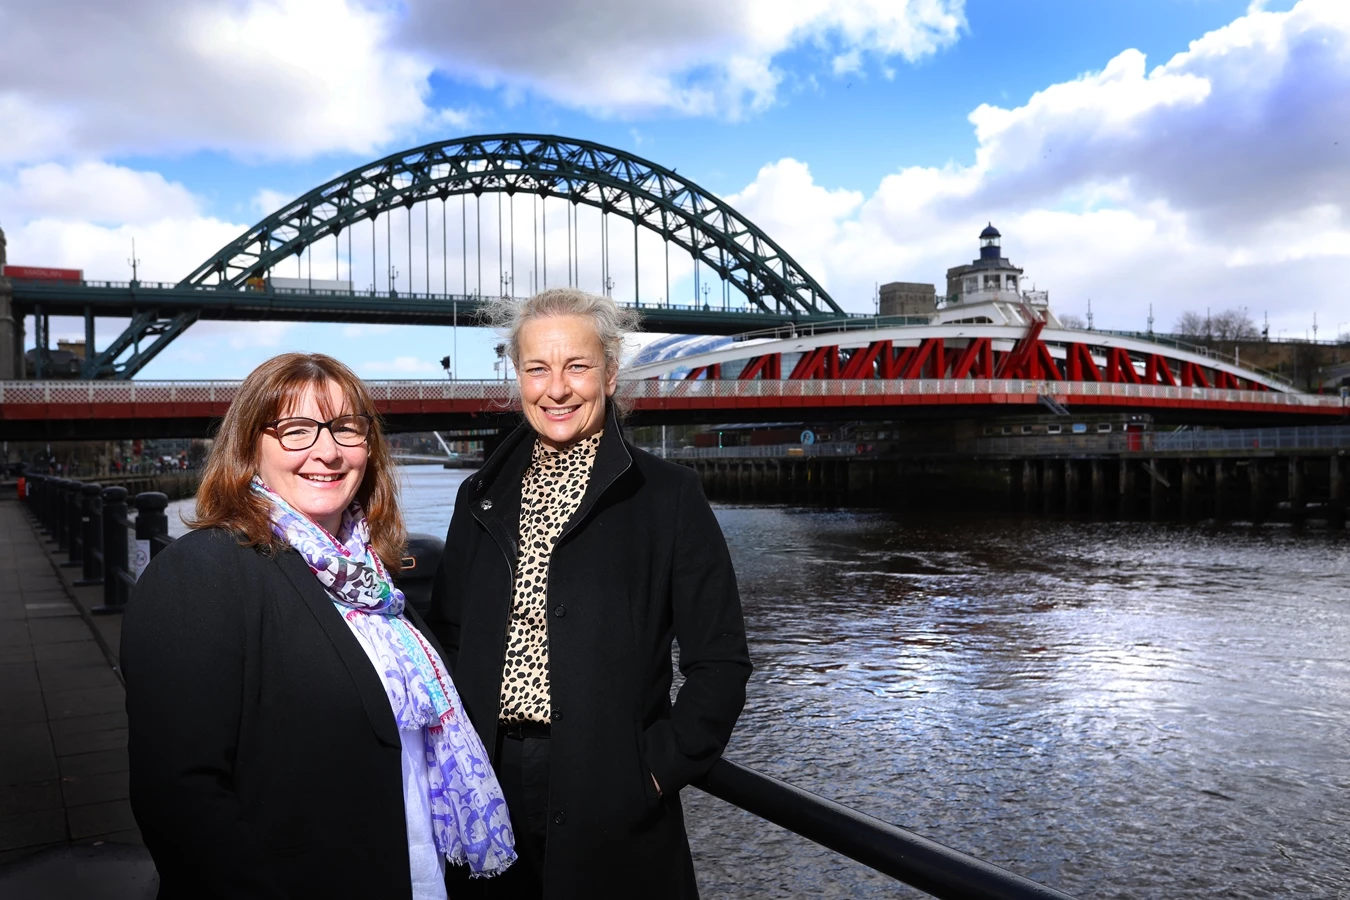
(1229, 487)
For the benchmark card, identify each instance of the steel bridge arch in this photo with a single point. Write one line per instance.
(584, 172)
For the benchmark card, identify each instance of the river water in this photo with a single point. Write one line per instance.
(1120, 710)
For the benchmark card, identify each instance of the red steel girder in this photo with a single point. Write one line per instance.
(1079, 365)
(1120, 367)
(863, 360)
(768, 366)
(1156, 371)
(822, 362)
(1193, 375)
(1019, 359)
(977, 360)
(926, 361)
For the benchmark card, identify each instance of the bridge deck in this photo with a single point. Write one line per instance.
(96, 409)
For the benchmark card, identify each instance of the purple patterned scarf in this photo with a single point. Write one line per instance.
(468, 813)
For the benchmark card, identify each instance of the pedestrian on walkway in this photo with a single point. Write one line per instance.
(293, 732)
(572, 560)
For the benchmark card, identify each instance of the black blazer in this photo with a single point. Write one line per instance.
(642, 561)
(265, 759)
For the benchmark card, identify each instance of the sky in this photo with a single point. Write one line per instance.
(1137, 155)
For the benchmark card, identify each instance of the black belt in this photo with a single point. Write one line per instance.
(519, 731)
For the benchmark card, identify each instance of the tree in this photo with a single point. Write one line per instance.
(1226, 326)
(1069, 320)
(1234, 325)
(1192, 325)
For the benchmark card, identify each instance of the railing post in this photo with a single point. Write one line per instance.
(91, 521)
(61, 516)
(74, 507)
(46, 504)
(33, 493)
(114, 550)
(151, 522)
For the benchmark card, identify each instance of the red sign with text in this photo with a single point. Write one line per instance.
(41, 273)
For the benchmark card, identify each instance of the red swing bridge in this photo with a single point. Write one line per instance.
(771, 344)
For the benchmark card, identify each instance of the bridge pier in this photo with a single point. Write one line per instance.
(1073, 495)
(1051, 488)
(1031, 484)
(1129, 486)
(1098, 488)
(1190, 506)
(1336, 492)
(1221, 488)
(1298, 493)
(11, 329)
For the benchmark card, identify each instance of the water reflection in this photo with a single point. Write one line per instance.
(1121, 710)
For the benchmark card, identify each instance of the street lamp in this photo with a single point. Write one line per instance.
(506, 284)
(705, 296)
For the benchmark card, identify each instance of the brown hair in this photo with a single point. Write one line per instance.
(224, 499)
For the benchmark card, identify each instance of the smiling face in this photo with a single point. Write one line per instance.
(319, 482)
(564, 383)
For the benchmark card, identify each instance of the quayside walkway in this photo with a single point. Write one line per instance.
(66, 829)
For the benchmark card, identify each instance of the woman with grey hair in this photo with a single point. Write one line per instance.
(572, 560)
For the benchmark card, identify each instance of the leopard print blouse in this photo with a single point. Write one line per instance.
(550, 493)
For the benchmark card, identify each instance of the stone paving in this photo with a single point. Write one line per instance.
(66, 828)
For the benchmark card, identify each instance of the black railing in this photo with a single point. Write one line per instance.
(105, 548)
(931, 867)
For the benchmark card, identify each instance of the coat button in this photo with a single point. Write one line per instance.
(556, 715)
(560, 818)
(485, 505)
(560, 610)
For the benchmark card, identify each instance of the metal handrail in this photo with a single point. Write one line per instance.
(931, 867)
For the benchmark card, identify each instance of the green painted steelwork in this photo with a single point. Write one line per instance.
(777, 289)
(611, 180)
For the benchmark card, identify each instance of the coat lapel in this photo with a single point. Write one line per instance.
(496, 491)
(368, 684)
(612, 459)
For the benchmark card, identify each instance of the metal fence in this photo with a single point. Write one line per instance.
(502, 392)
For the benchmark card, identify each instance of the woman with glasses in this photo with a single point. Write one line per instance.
(293, 731)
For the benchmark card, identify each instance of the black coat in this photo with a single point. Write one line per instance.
(265, 759)
(642, 561)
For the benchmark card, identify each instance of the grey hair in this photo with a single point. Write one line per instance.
(611, 321)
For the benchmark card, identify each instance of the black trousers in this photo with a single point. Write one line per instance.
(521, 765)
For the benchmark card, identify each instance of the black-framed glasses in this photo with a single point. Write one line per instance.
(300, 433)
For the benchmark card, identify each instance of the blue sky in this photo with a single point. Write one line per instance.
(1179, 154)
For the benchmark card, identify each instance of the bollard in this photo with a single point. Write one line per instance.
(91, 521)
(74, 525)
(60, 531)
(152, 527)
(45, 513)
(33, 493)
(116, 581)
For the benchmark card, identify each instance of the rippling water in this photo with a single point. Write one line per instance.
(1116, 709)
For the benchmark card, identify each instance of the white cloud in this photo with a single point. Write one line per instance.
(93, 192)
(1215, 179)
(267, 201)
(82, 78)
(700, 57)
